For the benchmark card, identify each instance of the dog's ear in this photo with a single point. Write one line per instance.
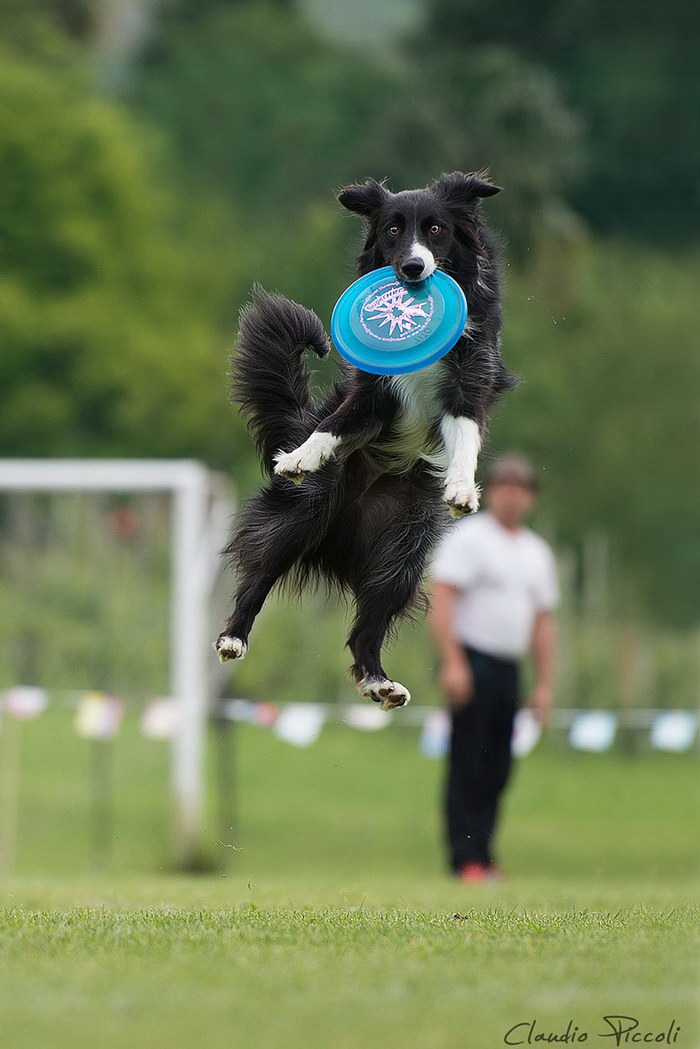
(363, 199)
(459, 188)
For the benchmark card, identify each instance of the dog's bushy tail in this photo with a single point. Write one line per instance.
(269, 378)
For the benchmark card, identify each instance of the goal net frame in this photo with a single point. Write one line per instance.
(200, 511)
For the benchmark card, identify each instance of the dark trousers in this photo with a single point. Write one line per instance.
(480, 759)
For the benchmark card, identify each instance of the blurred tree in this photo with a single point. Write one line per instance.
(33, 25)
(492, 109)
(273, 117)
(190, 11)
(630, 72)
(608, 406)
(108, 298)
(264, 111)
(118, 289)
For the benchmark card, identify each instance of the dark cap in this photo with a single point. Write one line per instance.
(513, 468)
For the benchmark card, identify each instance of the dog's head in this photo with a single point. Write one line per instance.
(418, 230)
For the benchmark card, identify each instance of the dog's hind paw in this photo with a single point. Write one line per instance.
(462, 497)
(229, 647)
(388, 694)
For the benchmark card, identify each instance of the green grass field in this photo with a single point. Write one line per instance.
(334, 923)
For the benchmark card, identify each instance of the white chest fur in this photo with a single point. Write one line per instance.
(419, 411)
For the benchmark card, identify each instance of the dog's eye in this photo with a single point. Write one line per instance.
(393, 231)
(434, 229)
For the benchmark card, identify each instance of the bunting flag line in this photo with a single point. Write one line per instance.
(99, 716)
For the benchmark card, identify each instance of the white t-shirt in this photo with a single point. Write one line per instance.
(504, 578)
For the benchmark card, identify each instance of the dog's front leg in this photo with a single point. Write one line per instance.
(309, 456)
(462, 439)
(353, 424)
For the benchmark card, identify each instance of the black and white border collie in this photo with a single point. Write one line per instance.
(358, 481)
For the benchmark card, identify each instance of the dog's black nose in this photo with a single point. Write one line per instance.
(412, 269)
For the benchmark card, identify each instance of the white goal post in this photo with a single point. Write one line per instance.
(201, 509)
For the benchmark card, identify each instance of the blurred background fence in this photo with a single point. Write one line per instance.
(84, 604)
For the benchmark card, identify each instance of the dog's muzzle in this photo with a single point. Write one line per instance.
(412, 269)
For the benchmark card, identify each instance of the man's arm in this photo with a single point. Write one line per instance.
(543, 645)
(455, 673)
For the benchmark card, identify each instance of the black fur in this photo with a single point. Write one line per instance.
(364, 520)
(275, 397)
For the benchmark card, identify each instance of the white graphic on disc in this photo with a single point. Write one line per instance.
(395, 311)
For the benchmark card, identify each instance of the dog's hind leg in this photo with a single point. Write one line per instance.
(232, 642)
(365, 641)
(273, 534)
(396, 530)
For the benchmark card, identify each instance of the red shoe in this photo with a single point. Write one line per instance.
(474, 872)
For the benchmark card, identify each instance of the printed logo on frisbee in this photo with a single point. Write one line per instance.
(386, 327)
(396, 313)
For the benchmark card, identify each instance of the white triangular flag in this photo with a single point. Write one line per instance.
(435, 737)
(300, 723)
(240, 710)
(526, 733)
(674, 730)
(25, 701)
(160, 718)
(98, 716)
(593, 730)
(367, 717)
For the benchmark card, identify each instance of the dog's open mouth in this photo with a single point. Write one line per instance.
(408, 280)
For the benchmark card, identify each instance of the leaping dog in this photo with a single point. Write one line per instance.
(358, 481)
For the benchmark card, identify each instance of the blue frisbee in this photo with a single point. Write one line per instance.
(390, 327)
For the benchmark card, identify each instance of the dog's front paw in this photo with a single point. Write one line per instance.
(309, 456)
(462, 496)
(388, 694)
(229, 647)
(288, 464)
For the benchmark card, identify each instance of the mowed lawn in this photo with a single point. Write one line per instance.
(334, 923)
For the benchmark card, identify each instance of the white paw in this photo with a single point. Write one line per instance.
(388, 694)
(230, 648)
(462, 496)
(309, 456)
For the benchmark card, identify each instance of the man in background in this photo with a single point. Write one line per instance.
(494, 593)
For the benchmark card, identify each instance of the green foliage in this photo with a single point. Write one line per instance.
(260, 108)
(81, 606)
(282, 118)
(131, 231)
(108, 298)
(629, 72)
(602, 338)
